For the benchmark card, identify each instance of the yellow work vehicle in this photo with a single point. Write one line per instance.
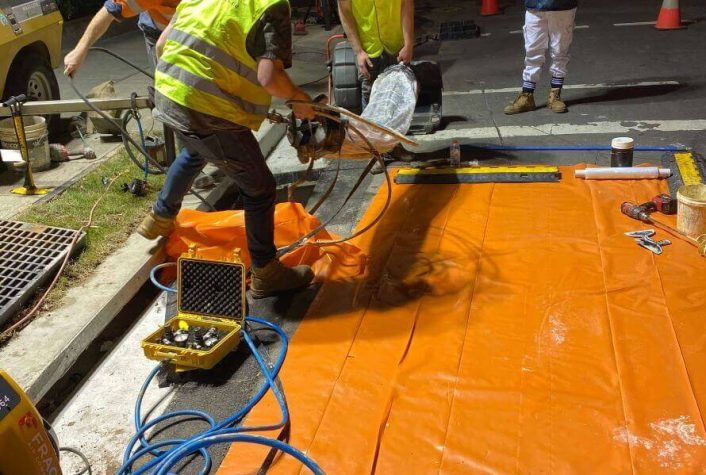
(30, 41)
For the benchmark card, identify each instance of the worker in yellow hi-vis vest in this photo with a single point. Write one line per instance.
(381, 33)
(220, 63)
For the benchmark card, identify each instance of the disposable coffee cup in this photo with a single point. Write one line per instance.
(621, 152)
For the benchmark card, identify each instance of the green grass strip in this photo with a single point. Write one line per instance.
(115, 218)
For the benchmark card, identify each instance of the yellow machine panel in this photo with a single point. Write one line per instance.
(27, 448)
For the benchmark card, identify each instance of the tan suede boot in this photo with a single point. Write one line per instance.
(554, 102)
(154, 226)
(275, 277)
(523, 103)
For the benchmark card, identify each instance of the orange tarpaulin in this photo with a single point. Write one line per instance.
(501, 328)
(217, 235)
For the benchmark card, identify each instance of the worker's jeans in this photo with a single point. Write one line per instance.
(380, 64)
(151, 52)
(238, 155)
(547, 29)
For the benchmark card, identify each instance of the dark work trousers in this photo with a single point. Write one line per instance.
(237, 154)
(380, 64)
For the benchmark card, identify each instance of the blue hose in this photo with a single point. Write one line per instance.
(144, 144)
(155, 281)
(577, 148)
(169, 453)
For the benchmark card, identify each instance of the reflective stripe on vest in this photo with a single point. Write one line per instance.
(379, 25)
(205, 65)
(207, 86)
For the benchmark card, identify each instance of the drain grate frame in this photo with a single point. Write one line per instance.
(30, 255)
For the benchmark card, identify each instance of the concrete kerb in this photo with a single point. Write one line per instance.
(45, 350)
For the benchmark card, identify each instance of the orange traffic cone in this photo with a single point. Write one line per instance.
(489, 7)
(669, 16)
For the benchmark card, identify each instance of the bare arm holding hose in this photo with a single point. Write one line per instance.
(272, 77)
(95, 30)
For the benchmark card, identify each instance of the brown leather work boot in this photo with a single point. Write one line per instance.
(154, 226)
(275, 277)
(523, 103)
(554, 102)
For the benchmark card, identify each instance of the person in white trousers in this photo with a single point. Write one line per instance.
(548, 24)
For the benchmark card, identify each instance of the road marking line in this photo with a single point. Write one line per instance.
(645, 23)
(568, 86)
(577, 27)
(636, 23)
(543, 130)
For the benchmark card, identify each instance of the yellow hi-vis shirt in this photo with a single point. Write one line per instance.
(379, 25)
(205, 65)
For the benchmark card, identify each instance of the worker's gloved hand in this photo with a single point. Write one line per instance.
(364, 63)
(302, 111)
(73, 61)
(405, 54)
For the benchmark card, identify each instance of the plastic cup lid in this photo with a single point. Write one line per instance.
(623, 143)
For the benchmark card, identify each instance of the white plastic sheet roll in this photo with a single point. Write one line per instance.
(632, 173)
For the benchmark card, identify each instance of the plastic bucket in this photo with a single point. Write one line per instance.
(691, 214)
(37, 141)
(157, 149)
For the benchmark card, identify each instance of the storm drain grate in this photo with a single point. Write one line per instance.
(30, 254)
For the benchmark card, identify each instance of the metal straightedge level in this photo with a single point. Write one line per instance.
(512, 174)
(107, 104)
(77, 105)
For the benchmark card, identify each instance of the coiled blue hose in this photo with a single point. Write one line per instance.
(143, 143)
(168, 453)
(155, 281)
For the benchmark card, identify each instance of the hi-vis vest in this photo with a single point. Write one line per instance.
(379, 25)
(205, 65)
(160, 11)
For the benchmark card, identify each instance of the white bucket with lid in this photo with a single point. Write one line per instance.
(37, 141)
(691, 213)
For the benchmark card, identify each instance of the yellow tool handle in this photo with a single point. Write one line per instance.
(699, 242)
(167, 355)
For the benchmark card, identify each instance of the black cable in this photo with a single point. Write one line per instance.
(377, 158)
(313, 82)
(152, 171)
(328, 192)
(84, 459)
(298, 50)
(87, 469)
(120, 58)
(129, 138)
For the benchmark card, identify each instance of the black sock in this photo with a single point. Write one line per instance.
(557, 83)
(528, 86)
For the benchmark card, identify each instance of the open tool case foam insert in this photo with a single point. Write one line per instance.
(209, 294)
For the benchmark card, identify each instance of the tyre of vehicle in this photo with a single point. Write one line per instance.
(33, 76)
